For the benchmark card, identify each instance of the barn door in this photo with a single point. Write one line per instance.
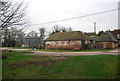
(83, 44)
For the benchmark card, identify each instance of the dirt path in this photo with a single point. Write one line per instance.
(15, 49)
(48, 53)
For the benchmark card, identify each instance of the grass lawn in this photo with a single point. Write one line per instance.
(18, 47)
(75, 51)
(84, 67)
(15, 53)
(77, 67)
(14, 56)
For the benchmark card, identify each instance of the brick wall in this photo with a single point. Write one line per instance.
(68, 45)
(109, 45)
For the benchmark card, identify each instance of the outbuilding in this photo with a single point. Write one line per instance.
(107, 41)
(74, 40)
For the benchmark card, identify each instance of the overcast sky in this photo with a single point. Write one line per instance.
(42, 11)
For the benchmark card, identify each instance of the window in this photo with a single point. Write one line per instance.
(68, 42)
(118, 36)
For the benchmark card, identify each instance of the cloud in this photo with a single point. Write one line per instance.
(41, 11)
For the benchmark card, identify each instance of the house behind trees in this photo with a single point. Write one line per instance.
(29, 42)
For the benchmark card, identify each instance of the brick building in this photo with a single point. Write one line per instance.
(107, 41)
(74, 40)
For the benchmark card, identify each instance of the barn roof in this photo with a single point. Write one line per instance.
(107, 37)
(73, 35)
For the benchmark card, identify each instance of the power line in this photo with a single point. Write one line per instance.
(77, 17)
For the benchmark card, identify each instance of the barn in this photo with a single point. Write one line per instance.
(74, 40)
(107, 41)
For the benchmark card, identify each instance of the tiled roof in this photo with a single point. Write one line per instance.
(107, 37)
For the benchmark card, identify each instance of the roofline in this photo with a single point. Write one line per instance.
(27, 38)
(106, 41)
(67, 40)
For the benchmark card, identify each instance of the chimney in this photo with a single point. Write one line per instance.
(95, 28)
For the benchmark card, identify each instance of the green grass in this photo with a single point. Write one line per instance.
(23, 66)
(83, 67)
(18, 47)
(14, 56)
(15, 53)
(77, 67)
(87, 50)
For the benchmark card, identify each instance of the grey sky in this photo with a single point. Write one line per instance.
(41, 11)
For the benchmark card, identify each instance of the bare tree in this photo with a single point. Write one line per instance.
(12, 15)
(12, 35)
(42, 32)
(69, 29)
(65, 29)
(42, 36)
(32, 34)
(58, 28)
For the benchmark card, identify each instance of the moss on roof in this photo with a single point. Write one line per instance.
(74, 35)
